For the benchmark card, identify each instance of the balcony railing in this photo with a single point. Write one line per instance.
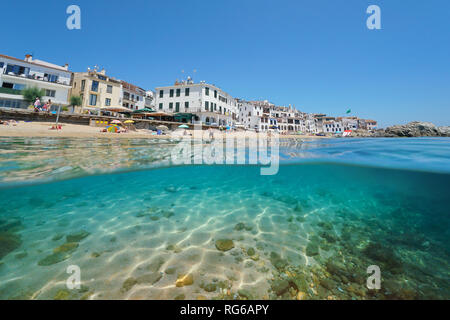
(9, 91)
(35, 77)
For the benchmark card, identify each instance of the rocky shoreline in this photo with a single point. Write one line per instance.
(412, 129)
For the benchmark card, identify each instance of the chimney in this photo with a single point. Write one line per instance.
(28, 58)
(103, 72)
(66, 66)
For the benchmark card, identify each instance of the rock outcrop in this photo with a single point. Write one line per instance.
(414, 129)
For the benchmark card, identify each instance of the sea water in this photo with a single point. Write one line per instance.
(134, 227)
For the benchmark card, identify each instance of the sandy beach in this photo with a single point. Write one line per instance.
(42, 129)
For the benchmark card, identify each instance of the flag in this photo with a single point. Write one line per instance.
(349, 110)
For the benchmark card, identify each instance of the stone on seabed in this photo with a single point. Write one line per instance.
(224, 244)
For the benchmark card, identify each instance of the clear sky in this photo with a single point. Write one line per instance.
(317, 55)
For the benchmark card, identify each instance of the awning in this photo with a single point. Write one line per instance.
(116, 109)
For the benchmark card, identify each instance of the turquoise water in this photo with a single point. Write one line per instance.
(134, 225)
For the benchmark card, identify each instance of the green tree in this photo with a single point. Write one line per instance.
(75, 101)
(30, 94)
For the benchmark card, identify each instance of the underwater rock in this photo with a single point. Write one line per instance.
(300, 283)
(329, 236)
(180, 297)
(385, 255)
(151, 278)
(325, 225)
(327, 283)
(200, 297)
(312, 249)
(184, 280)
(21, 255)
(277, 261)
(250, 251)
(245, 294)
(57, 237)
(167, 213)
(298, 208)
(77, 237)
(280, 286)
(95, 254)
(62, 295)
(224, 244)
(128, 284)
(67, 247)
(154, 218)
(300, 295)
(10, 225)
(8, 243)
(240, 226)
(170, 270)
(53, 259)
(210, 287)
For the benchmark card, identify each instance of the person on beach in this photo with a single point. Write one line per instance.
(44, 108)
(49, 105)
(37, 104)
(211, 134)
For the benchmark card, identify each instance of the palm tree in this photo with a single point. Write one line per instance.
(75, 101)
(30, 94)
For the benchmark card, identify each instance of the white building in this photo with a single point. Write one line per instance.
(133, 97)
(149, 99)
(17, 74)
(206, 103)
(249, 115)
(332, 126)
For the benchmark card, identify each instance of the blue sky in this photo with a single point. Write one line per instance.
(317, 55)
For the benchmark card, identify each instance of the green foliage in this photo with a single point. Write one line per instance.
(75, 101)
(30, 94)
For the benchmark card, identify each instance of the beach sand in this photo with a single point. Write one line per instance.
(42, 129)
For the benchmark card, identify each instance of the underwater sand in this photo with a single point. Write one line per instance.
(309, 232)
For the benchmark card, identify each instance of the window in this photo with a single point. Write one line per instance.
(215, 106)
(2, 64)
(107, 102)
(93, 100)
(186, 104)
(50, 77)
(83, 84)
(178, 92)
(109, 89)
(206, 105)
(207, 91)
(186, 92)
(171, 105)
(160, 105)
(215, 93)
(177, 107)
(101, 77)
(7, 85)
(50, 93)
(94, 86)
(161, 93)
(171, 93)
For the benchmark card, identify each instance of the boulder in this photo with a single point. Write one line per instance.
(414, 129)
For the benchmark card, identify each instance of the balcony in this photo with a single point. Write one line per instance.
(9, 91)
(36, 78)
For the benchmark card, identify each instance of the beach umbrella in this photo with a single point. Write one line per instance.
(161, 127)
(183, 126)
(129, 121)
(112, 128)
(115, 121)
